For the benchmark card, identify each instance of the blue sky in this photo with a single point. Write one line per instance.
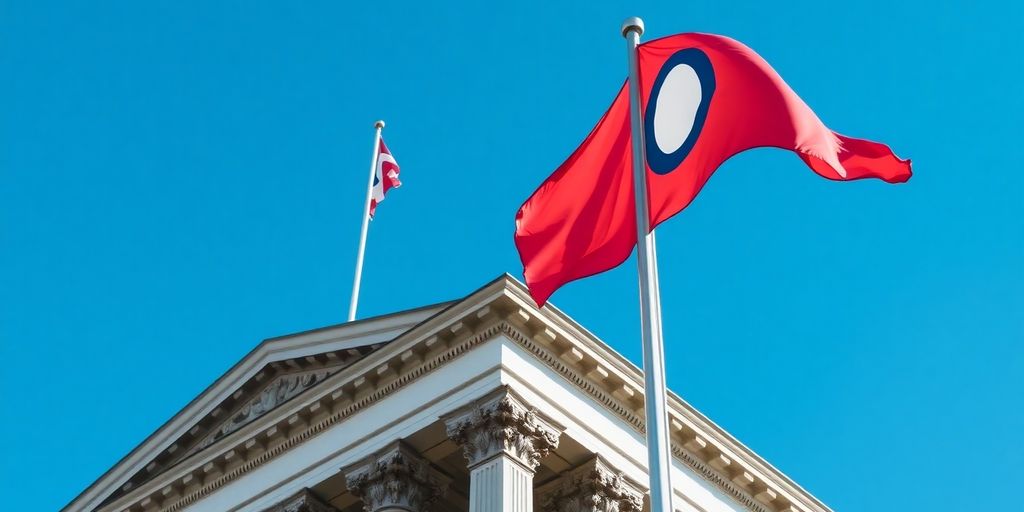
(179, 180)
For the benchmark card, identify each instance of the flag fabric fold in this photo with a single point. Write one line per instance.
(704, 98)
(385, 177)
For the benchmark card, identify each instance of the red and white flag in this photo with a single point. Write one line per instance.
(385, 177)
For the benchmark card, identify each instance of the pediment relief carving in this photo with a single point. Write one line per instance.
(275, 384)
(275, 393)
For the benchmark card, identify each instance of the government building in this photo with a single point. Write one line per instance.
(484, 404)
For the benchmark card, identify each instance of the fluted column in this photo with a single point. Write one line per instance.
(503, 440)
(395, 479)
(592, 487)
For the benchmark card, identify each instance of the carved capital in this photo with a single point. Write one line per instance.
(303, 501)
(396, 478)
(592, 487)
(502, 423)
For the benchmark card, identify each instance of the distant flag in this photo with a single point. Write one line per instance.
(385, 177)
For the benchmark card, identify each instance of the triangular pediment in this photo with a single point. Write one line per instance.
(275, 373)
(273, 386)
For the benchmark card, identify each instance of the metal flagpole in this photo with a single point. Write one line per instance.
(366, 223)
(658, 461)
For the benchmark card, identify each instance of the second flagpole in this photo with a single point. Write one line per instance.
(659, 463)
(379, 125)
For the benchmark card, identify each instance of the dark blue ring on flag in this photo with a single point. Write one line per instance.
(658, 161)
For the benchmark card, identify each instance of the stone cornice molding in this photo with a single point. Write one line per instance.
(502, 422)
(503, 307)
(396, 478)
(302, 501)
(594, 486)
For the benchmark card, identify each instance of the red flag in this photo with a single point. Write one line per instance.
(704, 99)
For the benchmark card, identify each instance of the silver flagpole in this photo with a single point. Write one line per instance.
(366, 223)
(658, 460)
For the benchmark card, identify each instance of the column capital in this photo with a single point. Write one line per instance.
(395, 478)
(302, 501)
(502, 423)
(594, 486)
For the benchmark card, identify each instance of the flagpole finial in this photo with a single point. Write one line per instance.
(379, 124)
(632, 23)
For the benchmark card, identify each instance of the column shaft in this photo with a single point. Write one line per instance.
(501, 485)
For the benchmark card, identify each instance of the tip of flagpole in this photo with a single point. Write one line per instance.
(633, 23)
(379, 124)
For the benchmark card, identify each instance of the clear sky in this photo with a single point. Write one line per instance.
(180, 180)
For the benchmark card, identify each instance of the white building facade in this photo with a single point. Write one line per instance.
(486, 404)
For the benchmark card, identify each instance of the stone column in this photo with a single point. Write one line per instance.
(395, 479)
(503, 441)
(592, 487)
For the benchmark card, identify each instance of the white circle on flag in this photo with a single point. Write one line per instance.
(676, 108)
